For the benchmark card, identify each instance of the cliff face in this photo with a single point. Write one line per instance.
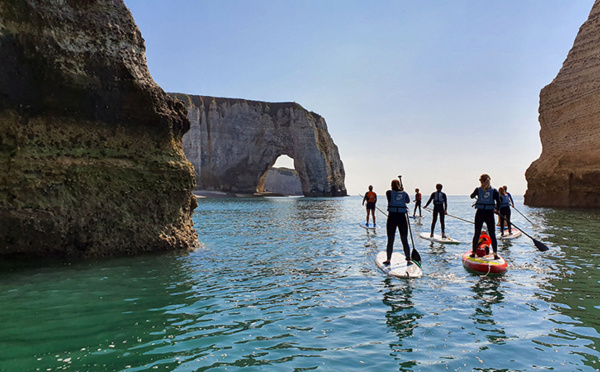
(282, 181)
(567, 174)
(91, 160)
(233, 142)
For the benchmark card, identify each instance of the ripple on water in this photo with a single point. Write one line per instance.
(290, 284)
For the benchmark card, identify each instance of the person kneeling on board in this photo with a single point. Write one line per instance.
(397, 217)
(488, 201)
(483, 246)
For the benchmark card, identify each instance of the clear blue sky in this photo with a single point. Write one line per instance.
(438, 91)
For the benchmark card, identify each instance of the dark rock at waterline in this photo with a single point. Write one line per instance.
(91, 161)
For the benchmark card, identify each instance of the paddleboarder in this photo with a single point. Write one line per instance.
(417, 203)
(505, 203)
(397, 209)
(371, 199)
(440, 207)
(488, 201)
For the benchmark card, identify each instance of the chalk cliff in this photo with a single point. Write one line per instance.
(567, 174)
(233, 142)
(282, 181)
(91, 160)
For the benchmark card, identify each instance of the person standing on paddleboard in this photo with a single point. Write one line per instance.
(440, 207)
(397, 218)
(371, 199)
(417, 202)
(488, 201)
(504, 210)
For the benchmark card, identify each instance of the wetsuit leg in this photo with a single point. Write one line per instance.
(478, 225)
(442, 218)
(491, 224)
(507, 215)
(434, 219)
(391, 233)
(403, 228)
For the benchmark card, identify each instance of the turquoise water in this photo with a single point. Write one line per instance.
(289, 284)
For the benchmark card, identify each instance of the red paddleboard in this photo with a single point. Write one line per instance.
(484, 265)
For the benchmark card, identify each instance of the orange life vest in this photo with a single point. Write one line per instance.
(371, 197)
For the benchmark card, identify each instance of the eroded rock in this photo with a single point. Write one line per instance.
(91, 160)
(567, 174)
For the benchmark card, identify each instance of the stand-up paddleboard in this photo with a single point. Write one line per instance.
(438, 239)
(397, 266)
(515, 233)
(484, 265)
(370, 226)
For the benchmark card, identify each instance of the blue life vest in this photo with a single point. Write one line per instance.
(397, 202)
(438, 198)
(504, 201)
(485, 198)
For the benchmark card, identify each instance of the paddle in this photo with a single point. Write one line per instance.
(522, 215)
(414, 255)
(539, 245)
(449, 215)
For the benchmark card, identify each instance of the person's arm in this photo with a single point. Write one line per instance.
(474, 194)
(406, 198)
(430, 199)
(388, 194)
(511, 199)
(445, 203)
(497, 199)
(375, 199)
(365, 198)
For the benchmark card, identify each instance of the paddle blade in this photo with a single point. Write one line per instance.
(415, 256)
(541, 246)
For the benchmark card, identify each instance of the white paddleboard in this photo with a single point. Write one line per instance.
(397, 266)
(438, 239)
(515, 233)
(370, 226)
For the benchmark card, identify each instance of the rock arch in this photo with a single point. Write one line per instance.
(233, 142)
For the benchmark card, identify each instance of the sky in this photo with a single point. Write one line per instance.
(437, 91)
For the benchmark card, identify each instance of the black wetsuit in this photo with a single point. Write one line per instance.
(417, 204)
(440, 206)
(485, 214)
(397, 219)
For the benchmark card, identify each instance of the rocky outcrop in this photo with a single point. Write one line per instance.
(567, 174)
(91, 160)
(233, 142)
(282, 181)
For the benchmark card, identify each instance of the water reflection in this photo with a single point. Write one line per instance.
(574, 286)
(487, 293)
(401, 317)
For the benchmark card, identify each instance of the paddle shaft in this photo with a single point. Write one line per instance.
(449, 215)
(523, 215)
(539, 245)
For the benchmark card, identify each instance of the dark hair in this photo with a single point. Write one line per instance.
(439, 187)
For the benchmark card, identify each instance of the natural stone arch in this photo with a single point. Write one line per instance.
(240, 140)
(281, 178)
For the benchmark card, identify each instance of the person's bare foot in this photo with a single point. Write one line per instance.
(386, 262)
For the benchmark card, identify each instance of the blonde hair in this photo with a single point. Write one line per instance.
(485, 181)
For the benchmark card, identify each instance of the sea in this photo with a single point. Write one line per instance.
(290, 284)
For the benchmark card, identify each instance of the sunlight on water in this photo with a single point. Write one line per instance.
(290, 284)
